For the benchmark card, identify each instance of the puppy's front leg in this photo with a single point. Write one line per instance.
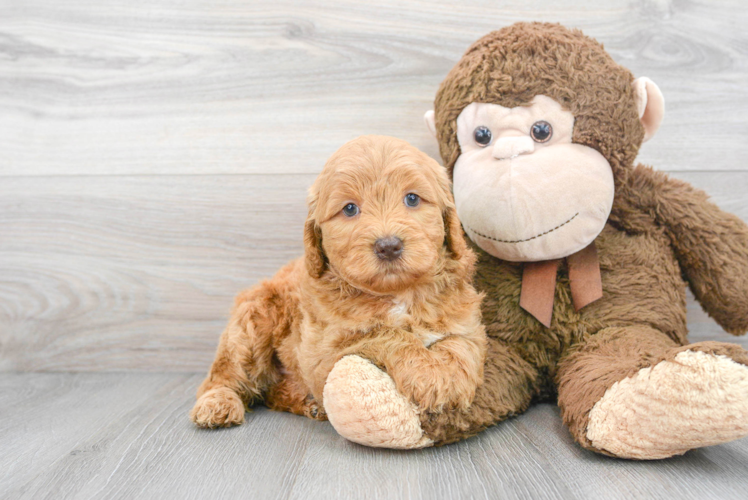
(220, 398)
(243, 367)
(445, 375)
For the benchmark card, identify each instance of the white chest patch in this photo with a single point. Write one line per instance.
(430, 338)
(399, 309)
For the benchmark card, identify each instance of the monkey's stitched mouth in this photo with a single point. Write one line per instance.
(526, 239)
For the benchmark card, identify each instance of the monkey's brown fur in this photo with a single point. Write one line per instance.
(285, 334)
(661, 235)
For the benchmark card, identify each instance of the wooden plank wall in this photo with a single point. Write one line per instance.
(154, 155)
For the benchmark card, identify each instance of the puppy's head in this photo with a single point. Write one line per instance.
(381, 216)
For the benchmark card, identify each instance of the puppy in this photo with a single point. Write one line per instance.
(386, 275)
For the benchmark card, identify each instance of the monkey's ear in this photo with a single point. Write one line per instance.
(650, 104)
(454, 238)
(315, 259)
(430, 123)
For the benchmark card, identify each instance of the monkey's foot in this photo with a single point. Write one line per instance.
(364, 406)
(696, 399)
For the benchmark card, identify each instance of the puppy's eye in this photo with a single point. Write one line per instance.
(350, 210)
(412, 200)
(541, 131)
(482, 136)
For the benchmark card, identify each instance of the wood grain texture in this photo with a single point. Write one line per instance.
(128, 436)
(176, 87)
(105, 270)
(139, 272)
(154, 160)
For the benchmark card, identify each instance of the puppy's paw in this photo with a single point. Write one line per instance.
(435, 391)
(219, 407)
(313, 410)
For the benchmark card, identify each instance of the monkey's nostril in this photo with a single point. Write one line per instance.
(389, 248)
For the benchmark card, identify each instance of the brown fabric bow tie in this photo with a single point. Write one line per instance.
(539, 283)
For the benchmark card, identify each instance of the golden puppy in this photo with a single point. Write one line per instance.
(386, 275)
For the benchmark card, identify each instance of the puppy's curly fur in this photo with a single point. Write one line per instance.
(417, 316)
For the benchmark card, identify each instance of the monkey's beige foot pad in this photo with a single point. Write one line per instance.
(364, 406)
(696, 399)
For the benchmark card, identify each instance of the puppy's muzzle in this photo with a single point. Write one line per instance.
(389, 248)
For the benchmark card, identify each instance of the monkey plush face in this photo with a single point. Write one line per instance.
(538, 126)
(524, 192)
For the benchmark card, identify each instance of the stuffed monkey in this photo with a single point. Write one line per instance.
(584, 258)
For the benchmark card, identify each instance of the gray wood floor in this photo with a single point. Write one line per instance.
(154, 158)
(109, 435)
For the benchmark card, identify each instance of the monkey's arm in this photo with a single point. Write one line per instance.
(710, 245)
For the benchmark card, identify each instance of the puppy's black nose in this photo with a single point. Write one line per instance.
(389, 248)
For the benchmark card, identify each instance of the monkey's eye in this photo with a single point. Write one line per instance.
(412, 200)
(482, 136)
(350, 210)
(541, 131)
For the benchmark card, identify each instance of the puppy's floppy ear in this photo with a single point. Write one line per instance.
(454, 238)
(315, 258)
